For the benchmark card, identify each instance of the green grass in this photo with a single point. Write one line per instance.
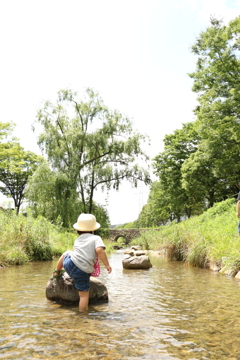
(200, 240)
(210, 237)
(24, 239)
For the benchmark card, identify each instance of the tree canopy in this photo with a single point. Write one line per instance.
(175, 202)
(16, 165)
(200, 162)
(89, 146)
(217, 83)
(48, 195)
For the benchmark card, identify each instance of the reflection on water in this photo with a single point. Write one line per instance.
(167, 312)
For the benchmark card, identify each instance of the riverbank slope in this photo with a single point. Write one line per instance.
(210, 240)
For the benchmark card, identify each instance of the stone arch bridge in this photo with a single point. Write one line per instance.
(127, 234)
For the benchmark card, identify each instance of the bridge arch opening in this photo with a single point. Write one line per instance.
(121, 236)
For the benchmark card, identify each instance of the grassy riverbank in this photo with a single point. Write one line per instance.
(209, 238)
(24, 239)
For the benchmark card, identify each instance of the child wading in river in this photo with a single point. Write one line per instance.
(79, 262)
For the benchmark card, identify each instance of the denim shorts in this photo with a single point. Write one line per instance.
(80, 278)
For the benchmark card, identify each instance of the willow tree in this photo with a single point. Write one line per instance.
(90, 144)
(48, 195)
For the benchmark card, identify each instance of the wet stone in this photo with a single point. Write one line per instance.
(63, 289)
(136, 258)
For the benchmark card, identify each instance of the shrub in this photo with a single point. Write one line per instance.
(24, 238)
(17, 256)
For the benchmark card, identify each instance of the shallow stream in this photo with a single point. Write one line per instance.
(168, 312)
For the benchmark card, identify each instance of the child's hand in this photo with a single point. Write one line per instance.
(109, 269)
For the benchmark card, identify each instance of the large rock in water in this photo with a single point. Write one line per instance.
(63, 289)
(136, 259)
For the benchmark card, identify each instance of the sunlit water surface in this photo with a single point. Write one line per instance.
(168, 312)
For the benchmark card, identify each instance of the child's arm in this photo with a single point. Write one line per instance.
(238, 209)
(103, 257)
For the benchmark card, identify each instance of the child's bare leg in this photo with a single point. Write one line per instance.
(84, 300)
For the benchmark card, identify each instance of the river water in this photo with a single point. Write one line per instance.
(168, 312)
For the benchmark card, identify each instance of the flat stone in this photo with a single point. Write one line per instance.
(140, 252)
(136, 247)
(137, 262)
(129, 252)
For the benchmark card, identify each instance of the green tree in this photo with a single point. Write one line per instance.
(8, 144)
(91, 145)
(41, 192)
(5, 133)
(200, 182)
(48, 195)
(160, 206)
(169, 196)
(16, 165)
(145, 219)
(217, 83)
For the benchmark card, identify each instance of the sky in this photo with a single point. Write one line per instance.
(135, 53)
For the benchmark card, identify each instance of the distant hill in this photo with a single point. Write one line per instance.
(113, 226)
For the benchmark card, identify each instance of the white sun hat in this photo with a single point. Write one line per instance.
(86, 222)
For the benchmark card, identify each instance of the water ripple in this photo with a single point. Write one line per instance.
(168, 312)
